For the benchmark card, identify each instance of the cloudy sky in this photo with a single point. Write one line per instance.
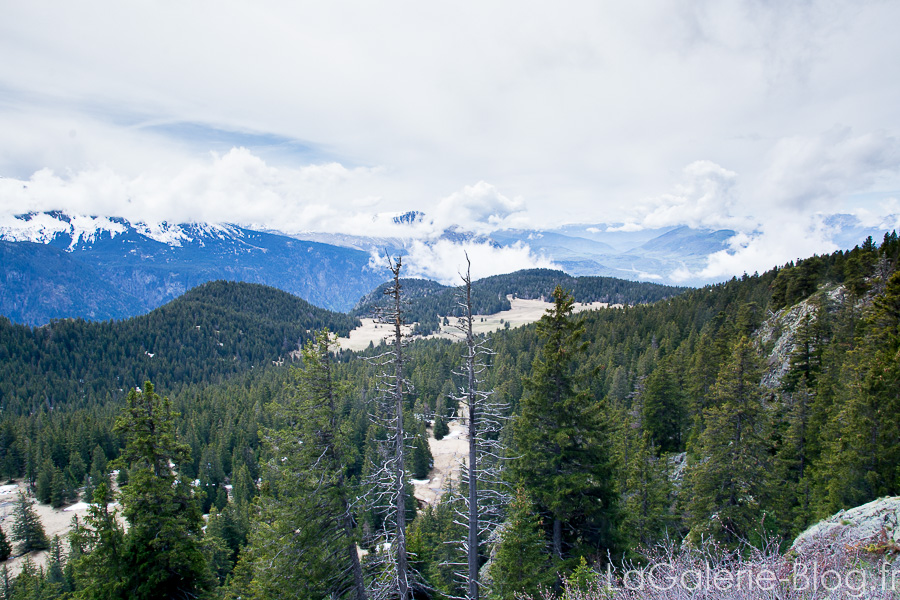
(757, 115)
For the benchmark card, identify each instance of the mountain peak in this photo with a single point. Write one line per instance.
(409, 217)
(71, 231)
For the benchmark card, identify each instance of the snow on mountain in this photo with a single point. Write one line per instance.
(81, 230)
(43, 228)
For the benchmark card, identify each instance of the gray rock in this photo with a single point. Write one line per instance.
(872, 528)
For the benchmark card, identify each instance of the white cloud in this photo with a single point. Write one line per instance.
(585, 111)
(705, 199)
(804, 173)
(479, 208)
(774, 244)
(444, 260)
(236, 187)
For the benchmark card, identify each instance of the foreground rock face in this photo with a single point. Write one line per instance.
(872, 527)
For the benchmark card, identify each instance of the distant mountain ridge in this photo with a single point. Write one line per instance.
(429, 300)
(57, 265)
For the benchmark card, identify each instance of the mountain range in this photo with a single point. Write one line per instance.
(60, 265)
(56, 265)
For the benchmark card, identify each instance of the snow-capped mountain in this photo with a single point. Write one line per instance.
(57, 265)
(74, 232)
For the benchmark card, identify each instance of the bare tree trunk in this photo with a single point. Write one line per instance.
(472, 401)
(400, 450)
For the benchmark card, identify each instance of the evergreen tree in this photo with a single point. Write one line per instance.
(59, 490)
(728, 483)
(645, 514)
(43, 486)
(98, 549)
(5, 548)
(27, 528)
(56, 584)
(522, 564)
(860, 459)
(663, 406)
(422, 460)
(561, 441)
(303, 544)
(440, 427)
(161, 551)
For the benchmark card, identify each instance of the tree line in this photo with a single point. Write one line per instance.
(625, 428)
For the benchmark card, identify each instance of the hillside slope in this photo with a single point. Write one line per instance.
(428, 301)
(213, 331)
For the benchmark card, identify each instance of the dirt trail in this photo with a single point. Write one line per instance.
(449, 454)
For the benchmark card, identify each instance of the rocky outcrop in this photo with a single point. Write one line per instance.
(871, 528)
(778, 335)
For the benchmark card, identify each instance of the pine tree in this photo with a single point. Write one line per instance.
(5, 548)
(728, 483)
(27, 528)
(522, 564)
(161, 552)
(561, 440)
(303, 544)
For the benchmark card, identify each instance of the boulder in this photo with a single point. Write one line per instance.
(870, 528)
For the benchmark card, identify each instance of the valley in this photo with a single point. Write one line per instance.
(276, 439)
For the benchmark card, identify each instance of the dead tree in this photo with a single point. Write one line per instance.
(387, 480)
(487, 492)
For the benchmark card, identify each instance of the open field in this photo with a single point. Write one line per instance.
(521, 313)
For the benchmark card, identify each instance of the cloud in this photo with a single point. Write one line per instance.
(236, 187)
(444, 260)
(705, 199)
(816, 172)
(774, 244)
(479, 208)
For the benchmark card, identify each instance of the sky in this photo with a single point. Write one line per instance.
(758, 116)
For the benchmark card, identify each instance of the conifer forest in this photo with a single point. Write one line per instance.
(228, 449)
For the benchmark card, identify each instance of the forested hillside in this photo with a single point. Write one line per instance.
(213, 331)
(625, 427)
(429, 300)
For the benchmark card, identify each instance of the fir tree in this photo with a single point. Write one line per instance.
(440, 427)
(859, 462)
(303, 545)
(98, 549)
(27, 528)
(5, 548)
(522, 564)
(422, 460)
(561, 440)
(663, 406)
(161, 552)
(728, 483)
